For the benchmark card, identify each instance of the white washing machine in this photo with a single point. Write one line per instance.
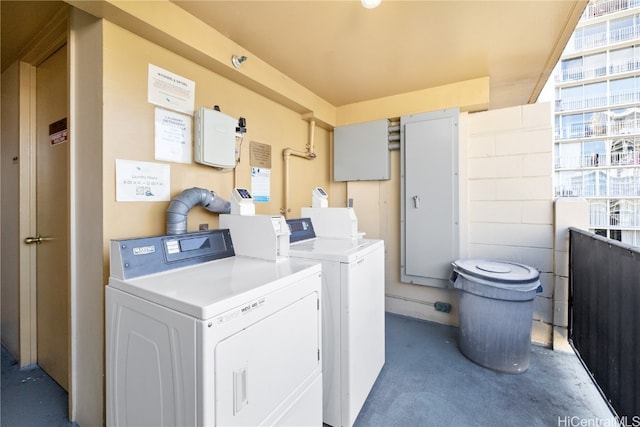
(353, 336)
(196, 336)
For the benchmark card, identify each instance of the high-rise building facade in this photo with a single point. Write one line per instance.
(597, 118)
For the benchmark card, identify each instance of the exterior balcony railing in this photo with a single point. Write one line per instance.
(599, 220)
(628, 187)
(597, 9)
(586, 130)
(580, 103)
(629, 158)
(631, 96)
(624, 34)
(604, 220)
(624, 97)
(574, 74)
(580, 73)
(579, 189)
(604, 38)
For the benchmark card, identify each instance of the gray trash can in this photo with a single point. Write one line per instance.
(496, 310)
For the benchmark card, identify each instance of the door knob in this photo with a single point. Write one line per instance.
(37, 239)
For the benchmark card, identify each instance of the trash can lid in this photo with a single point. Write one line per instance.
(497, 271)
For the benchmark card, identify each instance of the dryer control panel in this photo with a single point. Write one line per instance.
(147, 255)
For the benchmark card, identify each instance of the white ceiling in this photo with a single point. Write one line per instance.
(345, 53)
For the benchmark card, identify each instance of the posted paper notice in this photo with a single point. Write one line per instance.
(172, 136)
(261, 184)
(170, 90)
(142, 181)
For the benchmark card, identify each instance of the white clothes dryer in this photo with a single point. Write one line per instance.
(353, 334)
(197, 336)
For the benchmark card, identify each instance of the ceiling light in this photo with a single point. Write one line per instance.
(370, 4)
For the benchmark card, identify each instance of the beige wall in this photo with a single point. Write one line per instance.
(129, 127)
(10, 172)
(87, 265)
(17, 265)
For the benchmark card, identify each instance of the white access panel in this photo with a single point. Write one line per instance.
(353, 335)
(215, 139)
(430, 229)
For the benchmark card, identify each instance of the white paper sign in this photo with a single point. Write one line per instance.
(170, 90)
(261, 184)
(172, 136)
(142, 181)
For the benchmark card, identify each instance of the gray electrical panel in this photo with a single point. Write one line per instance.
(361, 151)
(430, 228)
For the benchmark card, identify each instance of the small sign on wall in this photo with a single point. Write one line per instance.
(261, 184)
(169, 90)
(172, 136)
(142, 181)
(260, 160)
(260, 155)
(58, 132)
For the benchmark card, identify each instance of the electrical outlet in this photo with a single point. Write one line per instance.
(442, 306)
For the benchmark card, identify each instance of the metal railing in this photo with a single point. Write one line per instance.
(591, 129)
(599, 219)
(599, 8)
(573, 74)
(630, 158)
(603, 38)
(604, 320)
(630, 96)
(627, 188)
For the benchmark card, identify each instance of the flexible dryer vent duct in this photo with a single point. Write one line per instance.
(183, 202)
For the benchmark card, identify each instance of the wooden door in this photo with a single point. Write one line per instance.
(52, 217)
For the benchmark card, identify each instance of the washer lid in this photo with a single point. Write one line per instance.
(497, 271)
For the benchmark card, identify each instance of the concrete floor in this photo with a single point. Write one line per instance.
(30, 398)
(426, 381)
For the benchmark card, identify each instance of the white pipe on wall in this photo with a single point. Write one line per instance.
(287, 153)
